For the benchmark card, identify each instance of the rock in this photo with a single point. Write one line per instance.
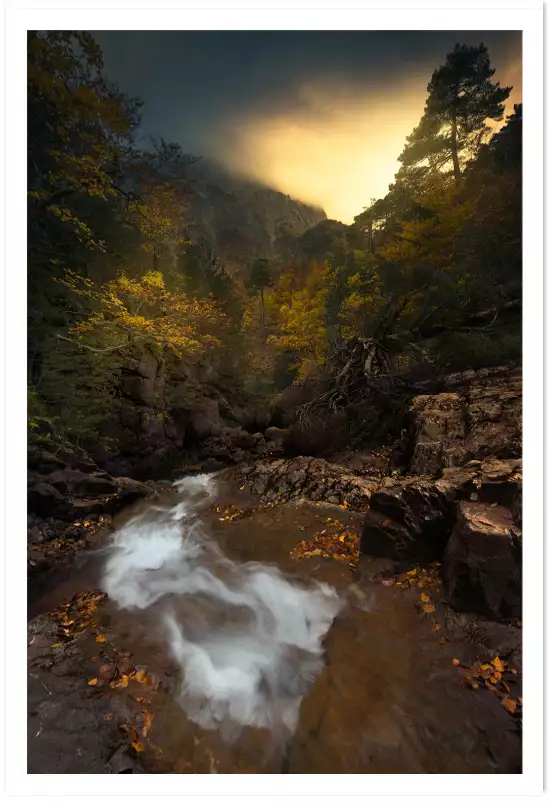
(482, 564)
(258, 437)
(211, 464)
(305, 477)
(44, 499)
(130, 490)
(413, 517)
(479, 417)
(276, 434)
(73, 481)
(242, 439)
(205, 421)
(411, 520)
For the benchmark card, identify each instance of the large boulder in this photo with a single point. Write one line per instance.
(73, 481)
(409, 521)
(204, 421)
(482, 563)
(477, 417)
(412, 518)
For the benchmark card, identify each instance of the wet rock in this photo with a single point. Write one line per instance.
(482, 564)
(306, 477)
(411, 520)
(73, 481)
(130, 490)
(413, 517)
(211, 464)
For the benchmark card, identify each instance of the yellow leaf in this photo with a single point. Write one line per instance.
(147, 723)
(138, 746)
(93, 682)
(341, 538)
(429, 608)
(101, 637)
(456, 661)
(425, 598)
(498, 664)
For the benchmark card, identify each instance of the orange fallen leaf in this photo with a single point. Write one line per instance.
(498, 664)
(93, 682)
(456, 661)
(147, 723)
(436, 627)
(101, 637)
(429, 608)
(509, 704)
(493, 679)
(138, 746)
(425, 597)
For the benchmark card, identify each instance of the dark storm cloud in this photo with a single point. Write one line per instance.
(319, 115)
(194, 81)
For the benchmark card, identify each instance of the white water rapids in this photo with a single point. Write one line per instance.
(248, 640)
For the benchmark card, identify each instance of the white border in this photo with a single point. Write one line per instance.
(430, 16)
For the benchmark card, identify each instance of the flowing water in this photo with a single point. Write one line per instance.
(279, 665)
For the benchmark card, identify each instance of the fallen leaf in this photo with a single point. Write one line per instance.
(138, 746)
(456, 661)
(493, 679)
(509, 704)
(101, 637)
(141, 676)
(429, 608)
(498, 664)
(489, 686)
(442, 640)
(57, 644)
(425, 597)
(147, 723)
(514, 671)
(93, 682)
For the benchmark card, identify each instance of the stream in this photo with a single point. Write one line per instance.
(257, 662)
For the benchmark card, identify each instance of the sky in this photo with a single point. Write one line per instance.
(319, 115)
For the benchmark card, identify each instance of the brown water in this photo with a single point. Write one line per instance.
(388, 699)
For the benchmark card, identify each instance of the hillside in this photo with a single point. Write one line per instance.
(243, 219)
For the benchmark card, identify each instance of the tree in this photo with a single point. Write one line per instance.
(461, 99)
(261, 276)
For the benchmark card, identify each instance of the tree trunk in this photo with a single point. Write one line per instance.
(262, 307)
(455, 157)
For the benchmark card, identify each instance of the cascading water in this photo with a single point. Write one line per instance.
(248, 639)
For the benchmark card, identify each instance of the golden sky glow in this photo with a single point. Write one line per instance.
(341, 149)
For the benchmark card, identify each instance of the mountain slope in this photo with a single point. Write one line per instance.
(241, 218)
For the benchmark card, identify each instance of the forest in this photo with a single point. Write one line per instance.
(426, 280)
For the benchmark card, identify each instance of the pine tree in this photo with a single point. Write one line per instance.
(461, 99)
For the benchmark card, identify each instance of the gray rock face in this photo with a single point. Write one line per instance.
(479, 417)
(482, 564)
